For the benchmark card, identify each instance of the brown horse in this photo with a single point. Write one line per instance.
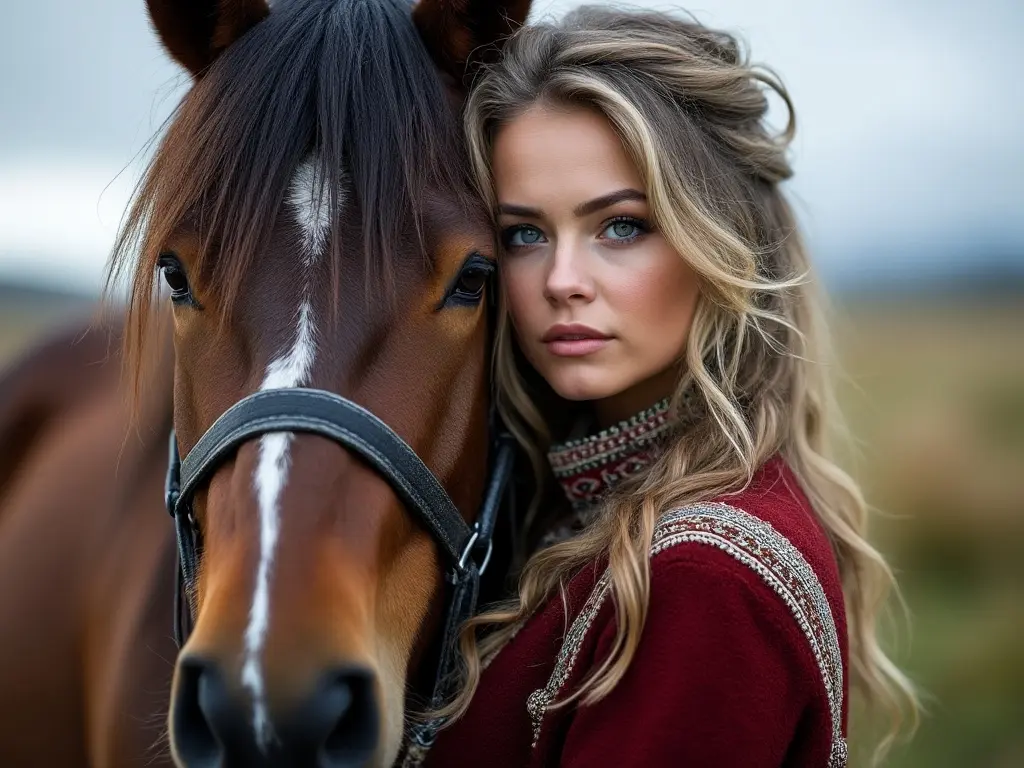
(311, 216)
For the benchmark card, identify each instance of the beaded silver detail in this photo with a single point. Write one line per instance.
(760, 547)
(414, 754)
(615, 442)
(538, 702)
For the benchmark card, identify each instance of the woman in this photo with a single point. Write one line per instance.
(704, 593)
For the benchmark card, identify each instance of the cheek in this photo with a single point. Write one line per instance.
(659, 296)
(524, 290)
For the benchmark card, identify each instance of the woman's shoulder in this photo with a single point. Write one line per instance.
(768, 527)
(766, 539)
(767, 533)
(763, 551)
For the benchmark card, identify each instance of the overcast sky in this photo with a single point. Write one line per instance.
(910, 148)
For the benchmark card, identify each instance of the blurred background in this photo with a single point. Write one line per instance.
(910, 186)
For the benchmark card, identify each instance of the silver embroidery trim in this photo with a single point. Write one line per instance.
(415, 755)
(764, 550)
(538, 702)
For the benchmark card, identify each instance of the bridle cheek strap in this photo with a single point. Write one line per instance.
(466, 549)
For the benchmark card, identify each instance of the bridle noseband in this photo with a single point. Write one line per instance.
(466, 548)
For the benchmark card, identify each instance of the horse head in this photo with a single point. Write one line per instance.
(312, 219)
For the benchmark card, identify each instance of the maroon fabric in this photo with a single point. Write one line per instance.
(723, 675)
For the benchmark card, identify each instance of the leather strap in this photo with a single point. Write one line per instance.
(327, 414)
(462, 605)
(468, 550)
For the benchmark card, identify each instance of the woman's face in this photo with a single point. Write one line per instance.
(601, 303)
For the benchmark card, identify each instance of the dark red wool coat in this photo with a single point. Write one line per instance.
(742, 660)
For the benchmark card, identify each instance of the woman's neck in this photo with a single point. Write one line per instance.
(611, 410)
(593, 464)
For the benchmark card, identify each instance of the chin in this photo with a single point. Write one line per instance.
(580, 386)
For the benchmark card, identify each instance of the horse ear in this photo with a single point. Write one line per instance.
(195, 32)
(461, 34)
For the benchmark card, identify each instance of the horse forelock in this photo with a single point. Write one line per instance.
(336, 95)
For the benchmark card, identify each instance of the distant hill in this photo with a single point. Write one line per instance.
(967, 284)
(950, 270)
(31, 299)
(28, 312)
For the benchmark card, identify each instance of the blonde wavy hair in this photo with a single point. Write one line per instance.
(690, 111)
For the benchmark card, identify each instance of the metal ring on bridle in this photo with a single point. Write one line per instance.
(467, 552)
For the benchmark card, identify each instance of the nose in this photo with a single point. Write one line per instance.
(566, 280)
(335, 726)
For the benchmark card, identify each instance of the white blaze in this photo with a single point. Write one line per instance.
(311, 207)
(311, 210)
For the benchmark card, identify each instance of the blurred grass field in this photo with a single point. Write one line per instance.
(936, 400)
(935, 396)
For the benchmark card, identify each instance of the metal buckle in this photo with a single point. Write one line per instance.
(468, 549)
(487, 557)
(467, 552)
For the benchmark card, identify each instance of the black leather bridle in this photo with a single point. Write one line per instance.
(465, 548)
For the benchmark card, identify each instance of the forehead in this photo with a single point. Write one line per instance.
(310, 207)
(448, 219)
(560, 153)
(444, 213)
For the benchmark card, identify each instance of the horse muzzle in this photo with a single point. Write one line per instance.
(334, 725)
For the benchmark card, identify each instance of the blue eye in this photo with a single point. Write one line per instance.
(522, 236)
(624, 230)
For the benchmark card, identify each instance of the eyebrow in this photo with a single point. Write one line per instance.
(581, 210)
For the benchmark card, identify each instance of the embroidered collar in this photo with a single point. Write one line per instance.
(588, 468)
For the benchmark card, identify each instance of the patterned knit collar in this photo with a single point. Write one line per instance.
(590, 467)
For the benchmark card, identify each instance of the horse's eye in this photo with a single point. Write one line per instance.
(472, 282)
(175, 278)
(469, 286)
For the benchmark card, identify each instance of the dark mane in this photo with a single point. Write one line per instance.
(348, 78)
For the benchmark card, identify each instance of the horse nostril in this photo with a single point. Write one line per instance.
(353, 739)
(340, 720)
(193, 733)
(210, 726)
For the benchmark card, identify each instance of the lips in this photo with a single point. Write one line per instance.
(574, 340)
